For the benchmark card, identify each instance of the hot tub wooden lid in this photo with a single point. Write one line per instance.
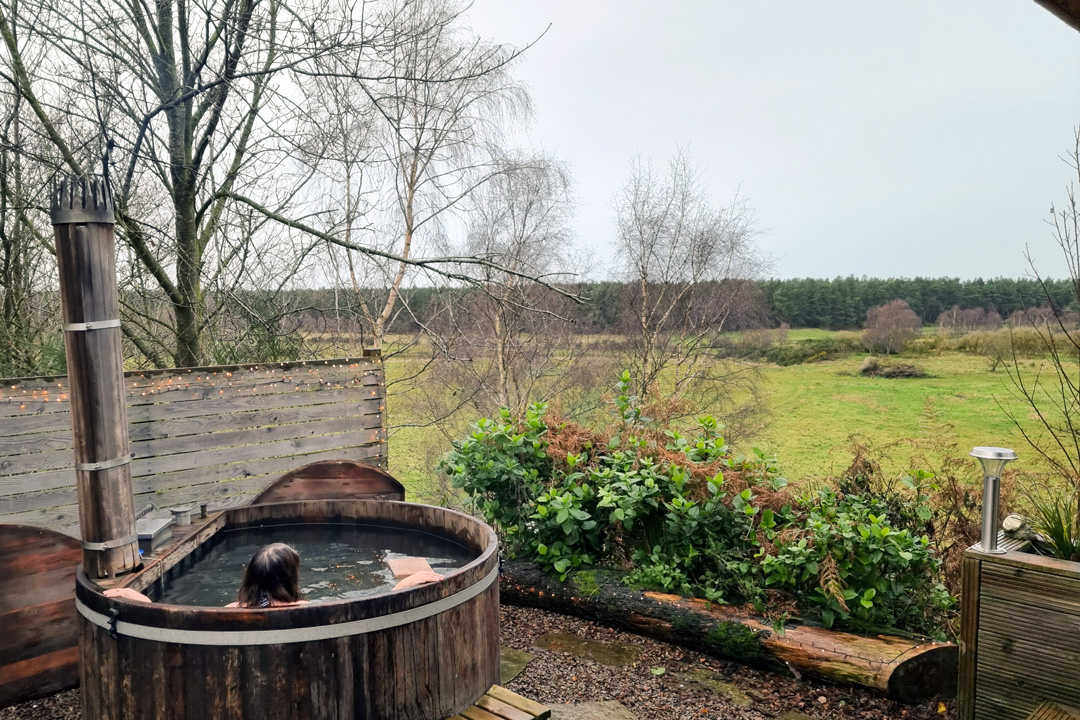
(333, 480)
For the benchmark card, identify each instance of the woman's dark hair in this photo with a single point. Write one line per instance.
(273, 575)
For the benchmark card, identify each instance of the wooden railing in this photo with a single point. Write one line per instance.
(218, 435)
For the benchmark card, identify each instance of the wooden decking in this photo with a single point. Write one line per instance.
(501, 704)
(1050, 711)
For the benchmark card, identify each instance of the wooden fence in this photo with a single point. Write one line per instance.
(216, 435)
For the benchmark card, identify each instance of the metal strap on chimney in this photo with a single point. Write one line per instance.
(104, 464)
(110, 544)
(91, 325)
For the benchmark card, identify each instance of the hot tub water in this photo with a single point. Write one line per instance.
(337, 562)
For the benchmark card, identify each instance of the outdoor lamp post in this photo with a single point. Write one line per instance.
(993, 462)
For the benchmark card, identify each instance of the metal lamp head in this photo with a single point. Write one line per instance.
(993, 459)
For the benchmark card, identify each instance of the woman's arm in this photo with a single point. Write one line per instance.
(127, 594)
(421, 578)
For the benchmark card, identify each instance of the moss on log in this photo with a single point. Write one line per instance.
(900, 668)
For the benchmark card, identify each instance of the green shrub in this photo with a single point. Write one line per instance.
(504, 468)
(844, 556)
(705, 548)
(876, 367)
(632, 492)
(259, 344)
(924, 346)
(685, 515)
(772, 346)
(1057, 522)
(803, 351)
(1025, 341)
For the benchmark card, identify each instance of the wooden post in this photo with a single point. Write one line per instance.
(969, 633)
(82, 218)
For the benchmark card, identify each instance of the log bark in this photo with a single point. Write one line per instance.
(902, 669)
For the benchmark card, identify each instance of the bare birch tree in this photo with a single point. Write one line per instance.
(689, 264)
(444, 98)
(1054, 402)
(199, 107)
(509, 341)
(26, 262)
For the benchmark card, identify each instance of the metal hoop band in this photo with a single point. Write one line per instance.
(91, 325)
(110, 544)
(290, 635)
(104, 464)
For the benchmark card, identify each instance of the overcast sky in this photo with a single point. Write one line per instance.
(920, 137)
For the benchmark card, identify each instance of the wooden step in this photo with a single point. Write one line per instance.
(501, 704)
(1051, 711)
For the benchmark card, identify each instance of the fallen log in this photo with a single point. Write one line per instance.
(901, 668)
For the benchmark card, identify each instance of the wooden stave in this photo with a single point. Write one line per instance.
(331, 686)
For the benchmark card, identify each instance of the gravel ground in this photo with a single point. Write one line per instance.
(62, 706)
(554, 677)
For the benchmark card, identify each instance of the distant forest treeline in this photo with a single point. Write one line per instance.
(842, 303)
(836, 304)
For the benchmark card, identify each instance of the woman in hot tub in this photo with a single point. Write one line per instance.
(272, 579)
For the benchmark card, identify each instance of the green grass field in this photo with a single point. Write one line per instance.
(811, 410)
(814, 408)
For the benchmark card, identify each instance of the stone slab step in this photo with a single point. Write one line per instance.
(609, 710)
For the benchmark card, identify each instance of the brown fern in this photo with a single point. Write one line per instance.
(829, 580)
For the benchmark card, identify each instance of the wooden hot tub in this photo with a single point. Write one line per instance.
(424, 653)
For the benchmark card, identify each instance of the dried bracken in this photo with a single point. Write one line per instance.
(830, 581)
(566, 437)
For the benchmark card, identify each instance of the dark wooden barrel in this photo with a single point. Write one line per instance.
(38, 633)
(424, 653)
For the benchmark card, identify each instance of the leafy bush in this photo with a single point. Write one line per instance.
(568, 497)
(804, 351)
(845, 556)
(684, 514)
(504, 468)
(705, 549)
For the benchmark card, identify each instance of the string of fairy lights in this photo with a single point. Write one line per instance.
(164, 387)
(349, 379)
(248, 380)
